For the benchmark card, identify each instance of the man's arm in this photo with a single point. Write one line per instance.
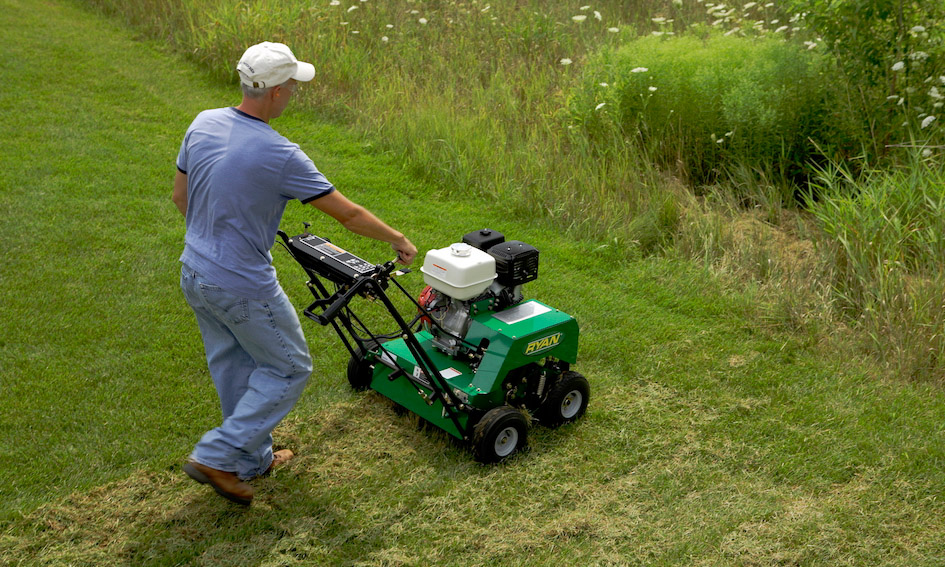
(361, 221)
(180, 192)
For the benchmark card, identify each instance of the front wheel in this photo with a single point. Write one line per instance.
(501, 433)
(566, 402)
(360, 368)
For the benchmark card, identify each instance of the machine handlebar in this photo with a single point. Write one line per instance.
(376, 280)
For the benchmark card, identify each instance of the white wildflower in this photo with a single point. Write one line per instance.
(389, 26)
(926, 152)
(423, 21)
(919, 56)
(566, 61)
(639, 70)
(892, 97)
(658, 33)
(933, 92)
(918, 29)
(353, 8)
(749, 5)
(780, 29)
(597, 16)
(658, 20)
(898, 66)
(732, 31)
(580, 18)
(600, 106)
(385, 39)
(615, 30)
(927, 122)
(585, 8)
(652, 89)
(605, 85)
(335, 3)
(486, 9)
(810, 44)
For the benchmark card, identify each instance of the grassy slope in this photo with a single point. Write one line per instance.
(707, 441)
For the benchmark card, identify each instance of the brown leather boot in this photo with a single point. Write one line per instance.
(227, 484)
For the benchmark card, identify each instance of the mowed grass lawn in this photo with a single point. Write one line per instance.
(711, 439)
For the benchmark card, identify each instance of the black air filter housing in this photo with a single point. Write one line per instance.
(516, 263)
(484, 239)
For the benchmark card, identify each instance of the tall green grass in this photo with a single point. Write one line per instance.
(470, 94)
(705, 106)
(884, 245)
(479, 97)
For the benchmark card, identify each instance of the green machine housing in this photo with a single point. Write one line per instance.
(526, 345)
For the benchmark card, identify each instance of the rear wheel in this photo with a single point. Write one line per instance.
(361, 367)
(566, 401)
(501, 433)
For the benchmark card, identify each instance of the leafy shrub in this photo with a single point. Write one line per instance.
(703, 106)
(893, 53)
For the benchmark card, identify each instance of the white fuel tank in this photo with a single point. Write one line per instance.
(460, 271)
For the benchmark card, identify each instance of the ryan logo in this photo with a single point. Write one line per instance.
(543, 344)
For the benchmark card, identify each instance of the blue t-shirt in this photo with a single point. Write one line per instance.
(240, 175)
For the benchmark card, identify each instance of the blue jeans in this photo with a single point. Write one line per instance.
(259, 361)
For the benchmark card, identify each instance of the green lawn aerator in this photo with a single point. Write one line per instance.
(476, 357)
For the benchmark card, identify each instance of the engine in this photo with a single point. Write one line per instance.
(483, 272)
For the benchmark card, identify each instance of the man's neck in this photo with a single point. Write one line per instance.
(254, 108)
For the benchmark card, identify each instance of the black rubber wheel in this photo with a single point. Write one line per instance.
(501, 433)
(361, 370)
(566, 401)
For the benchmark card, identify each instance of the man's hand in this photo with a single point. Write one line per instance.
(406, 251)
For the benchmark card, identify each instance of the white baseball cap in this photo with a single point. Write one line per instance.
(266, 65)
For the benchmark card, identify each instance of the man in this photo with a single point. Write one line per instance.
(235, 176)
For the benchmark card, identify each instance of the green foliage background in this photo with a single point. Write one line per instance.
(502, 101)
(701, 105)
